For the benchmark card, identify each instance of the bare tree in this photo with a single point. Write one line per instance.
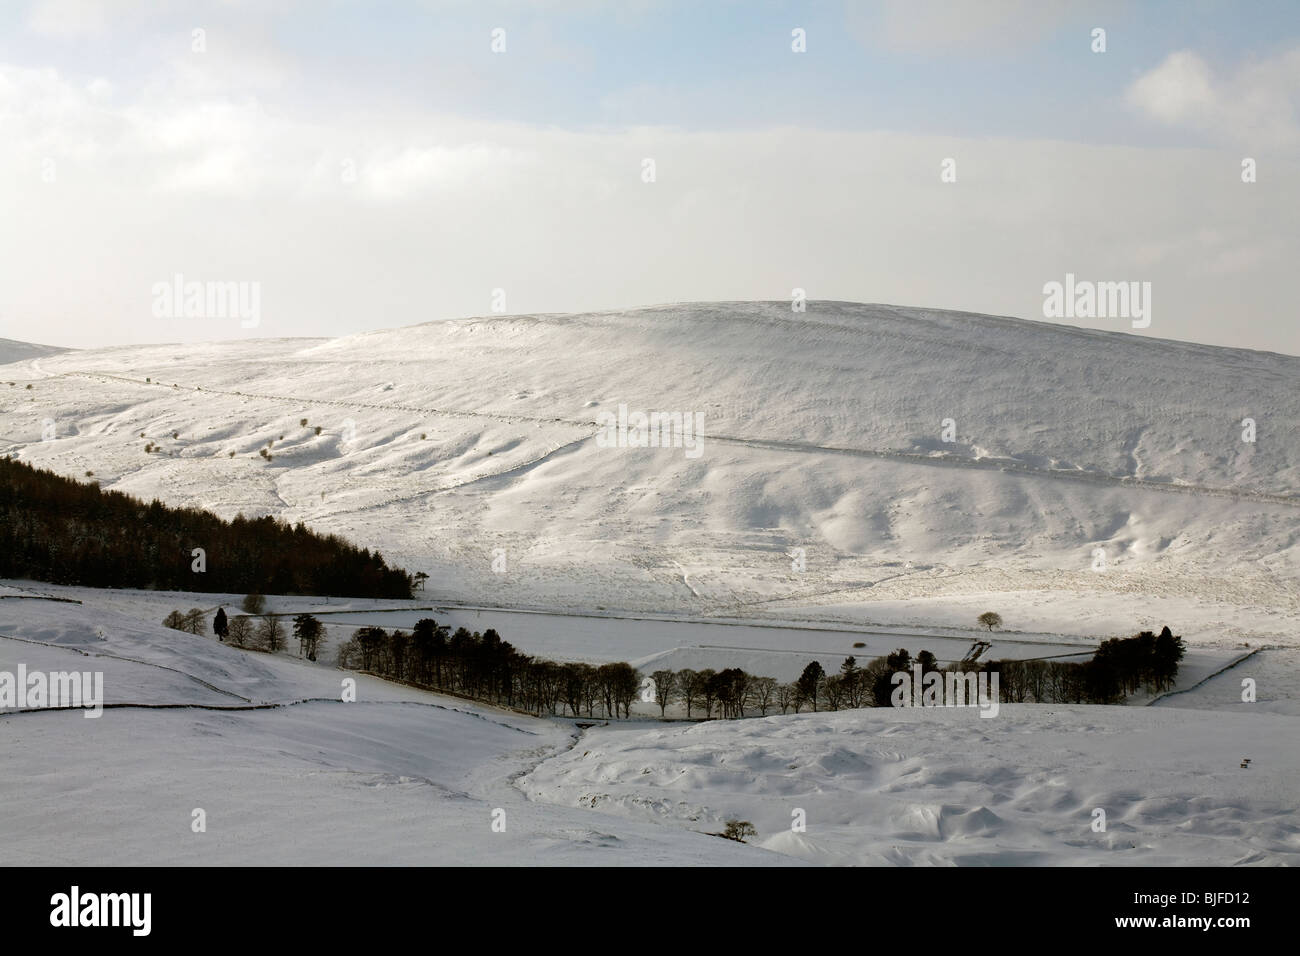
(708, 689)
(1036, 676)
(607, 683)
(833, 691)
(349, 655)
(1058, 682)
(739, 829)
(688, 686)
(853, 681)
(990, 619)
(241, 630)
(270, 633)
(762, 690)
(665, 687)
(627, 683)
(741, 687)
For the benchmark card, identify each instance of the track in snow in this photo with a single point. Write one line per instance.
(1006, 466)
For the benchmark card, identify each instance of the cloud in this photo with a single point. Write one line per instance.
(412, 171)
(1254, 107)
(1180, 90)
(166, 177)
(66, 18)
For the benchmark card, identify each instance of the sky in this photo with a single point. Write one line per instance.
(354, 166)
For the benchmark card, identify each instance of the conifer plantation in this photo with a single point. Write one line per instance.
(63, 531)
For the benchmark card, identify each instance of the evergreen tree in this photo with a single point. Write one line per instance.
(67, 532)
(308, 631)
(810, 682)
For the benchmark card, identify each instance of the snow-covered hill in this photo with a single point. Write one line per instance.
(11, 351)
(1095, 481)
(288, 772)
(285, 771)
(939, 786)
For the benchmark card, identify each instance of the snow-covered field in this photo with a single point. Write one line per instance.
(929, 786)
(400, 776)
(468, 449)
(1096, 484)
(406, 776)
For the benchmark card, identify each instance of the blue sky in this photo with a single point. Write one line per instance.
(1126, 159)
(700, 65)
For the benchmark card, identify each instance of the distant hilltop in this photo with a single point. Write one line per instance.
(12, 350)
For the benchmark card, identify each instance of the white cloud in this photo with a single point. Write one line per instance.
(414, 171)
(1178, 91)
(1255, 107)
(168, 178)
(65, 18)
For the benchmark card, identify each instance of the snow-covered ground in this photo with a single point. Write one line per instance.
(1096, 484)
(468, 449)
(400, 776)
(410, 777)
(944, 786)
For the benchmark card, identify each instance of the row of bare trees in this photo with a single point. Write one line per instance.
(734, 693)
(1120, 666)
(728, 691)
(262, 633)
(484, 667)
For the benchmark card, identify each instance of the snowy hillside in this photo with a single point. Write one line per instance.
(287, 772)
(917, 787)
(1095, 481)
(11, 351)
(398, 777)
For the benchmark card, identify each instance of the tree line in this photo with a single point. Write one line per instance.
(64, 531)
(254, 631)
(485, 667)
(1119, 667)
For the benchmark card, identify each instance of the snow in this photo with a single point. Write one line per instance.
(404, 776)
(11, 351)
(823, 432)
(314, 784)
(398, 777)
(939, 786)
(452, 447)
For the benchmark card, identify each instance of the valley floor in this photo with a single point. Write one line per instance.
(286, 772)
